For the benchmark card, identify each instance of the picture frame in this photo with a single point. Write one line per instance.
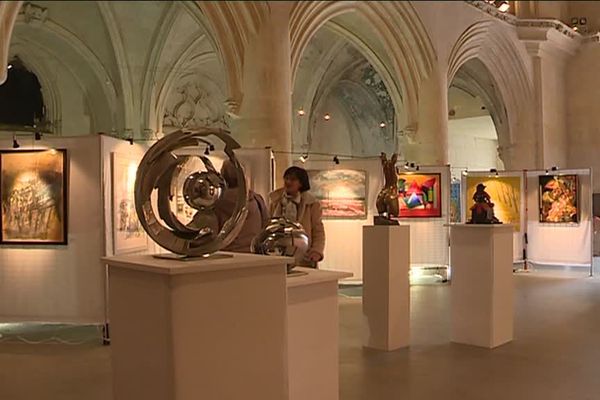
(34, 197)
(415, 201)
(342, 192)
(128, 234)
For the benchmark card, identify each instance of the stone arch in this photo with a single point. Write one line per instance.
(498, 50)
(397, 25)
(232, 24)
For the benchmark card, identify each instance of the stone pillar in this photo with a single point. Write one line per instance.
(550, 51)
(429, 145)
(8, 15)
(265, 112)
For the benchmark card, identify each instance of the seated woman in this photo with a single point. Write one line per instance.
(294, 202)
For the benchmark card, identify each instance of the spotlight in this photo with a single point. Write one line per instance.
(336, 160)
(301, 112)
(547, 173)
(575, 28)
(9, 66)
(382, 124)
(130, 140)
(417, 168)
(504, 6)
(211, 147)
(327, 117)
(37, 135)
(412, 164)
(406, 166)
(303, 158)
(465, 172)
(206, 152)
(16, 144)
(555, 168)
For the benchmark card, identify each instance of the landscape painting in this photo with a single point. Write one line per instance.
(33, 194)
(505, 193)
(128, 233)
(342, 192)
(558, 199)
(419, 195)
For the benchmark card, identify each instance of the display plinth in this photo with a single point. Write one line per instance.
(313, 350)
(482, 284)
(386, 287)
(210, 329)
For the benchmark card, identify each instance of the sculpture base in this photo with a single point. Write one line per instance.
(179, 257)
(379, 220)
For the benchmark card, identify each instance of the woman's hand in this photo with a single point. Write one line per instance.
(313, 256)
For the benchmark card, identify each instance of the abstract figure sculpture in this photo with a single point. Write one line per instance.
(482, 212)
(160, 167)
(282, 237)
(387, 199)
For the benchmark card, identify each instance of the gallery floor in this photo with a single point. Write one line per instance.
(554, 357)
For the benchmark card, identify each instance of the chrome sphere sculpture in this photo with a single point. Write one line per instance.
(282, 237)
(160, 166)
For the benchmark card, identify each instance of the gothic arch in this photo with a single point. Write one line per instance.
(497, 48)
(397, 26)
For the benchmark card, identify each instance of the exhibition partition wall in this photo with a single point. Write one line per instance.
(348, 192)
(506, 189)
(551, 212)
(559, 217)
(39, 280)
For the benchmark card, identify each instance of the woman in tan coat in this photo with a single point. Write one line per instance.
(294, 202)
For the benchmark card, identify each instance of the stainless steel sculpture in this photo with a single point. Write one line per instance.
(282, 237)
(158, 169)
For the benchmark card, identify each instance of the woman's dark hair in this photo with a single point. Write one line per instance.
(300, 174)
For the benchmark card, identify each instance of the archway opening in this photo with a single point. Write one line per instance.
(476, 120)
(21, 100)
(343, 102)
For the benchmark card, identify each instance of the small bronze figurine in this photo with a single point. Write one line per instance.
(387, 199)
(482, 212)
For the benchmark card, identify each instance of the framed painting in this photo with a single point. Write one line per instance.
(128, 233)
(33, 195)
(419, 195)
(558, 196)
(455, 209)
(505, 193)
(342, 192)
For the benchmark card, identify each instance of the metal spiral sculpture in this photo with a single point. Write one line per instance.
(201, 190)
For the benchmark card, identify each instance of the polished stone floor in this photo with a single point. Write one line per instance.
(556, 354)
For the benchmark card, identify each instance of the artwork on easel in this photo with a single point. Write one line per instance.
(128, 233)
(33, 192)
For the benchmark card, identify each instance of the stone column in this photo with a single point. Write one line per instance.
(265, 111)
(429, 144)
(550, 50)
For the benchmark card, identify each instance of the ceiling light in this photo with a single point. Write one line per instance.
(304, 157)
(9, 66)
(327, 117)
(301, 112)
(382, 124)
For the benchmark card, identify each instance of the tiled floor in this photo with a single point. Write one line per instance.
(555, 355)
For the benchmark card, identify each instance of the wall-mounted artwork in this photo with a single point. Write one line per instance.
(342, 192)
(419, 195)
(128, 234)
(558, 197)
(33, 193)
(505, 193)
(455, 210)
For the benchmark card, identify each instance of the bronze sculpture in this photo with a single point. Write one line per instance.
(387, 203)
(482, 212)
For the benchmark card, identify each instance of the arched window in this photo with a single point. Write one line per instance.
(21, 102)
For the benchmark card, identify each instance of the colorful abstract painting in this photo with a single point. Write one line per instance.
(128, 233)
(558, 199)
(342, 192)
(505, 193)
(33, 192)
(419, 195)
(455, 210)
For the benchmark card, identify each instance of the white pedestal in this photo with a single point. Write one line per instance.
(386, 287)
(313, 350)
(482, 284)
(204, 329)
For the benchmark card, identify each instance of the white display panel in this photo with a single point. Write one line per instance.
(560, 243)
